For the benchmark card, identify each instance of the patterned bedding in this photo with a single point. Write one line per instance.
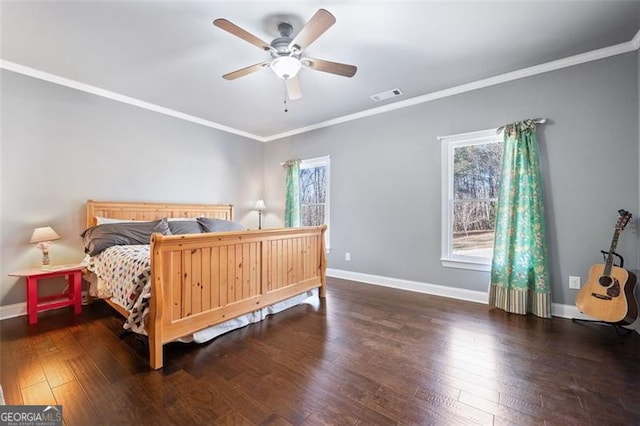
(123, 274)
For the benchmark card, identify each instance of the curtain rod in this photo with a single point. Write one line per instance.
(533, 120)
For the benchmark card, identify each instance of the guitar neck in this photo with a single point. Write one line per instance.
(612, 249)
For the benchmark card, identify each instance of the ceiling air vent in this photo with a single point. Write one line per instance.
(386, 95)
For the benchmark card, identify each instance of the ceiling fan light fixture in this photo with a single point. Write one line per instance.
(286, 67)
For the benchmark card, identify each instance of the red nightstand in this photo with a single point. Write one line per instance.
(36, 304)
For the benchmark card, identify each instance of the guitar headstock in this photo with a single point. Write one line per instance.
(623, 219)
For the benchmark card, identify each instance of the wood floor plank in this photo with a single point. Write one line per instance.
(76, 407)
(198, 403)
(38, 394)
(29, 370)
(9, 378)
(123, 401)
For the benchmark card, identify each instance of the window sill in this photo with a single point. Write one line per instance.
(466, 264)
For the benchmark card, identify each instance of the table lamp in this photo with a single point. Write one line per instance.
(43, 236)
(260, 206)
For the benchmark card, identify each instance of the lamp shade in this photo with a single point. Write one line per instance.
(44, 234)
(260, 205)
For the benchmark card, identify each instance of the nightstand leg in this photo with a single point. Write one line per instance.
(75, 289)
(32, 299)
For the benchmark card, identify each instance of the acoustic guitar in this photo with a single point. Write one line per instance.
(608, 294)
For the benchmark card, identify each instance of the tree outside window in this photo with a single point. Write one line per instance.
(476, 177)
(314, 192)
(313, 195)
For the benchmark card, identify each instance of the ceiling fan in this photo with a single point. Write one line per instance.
(286, 52)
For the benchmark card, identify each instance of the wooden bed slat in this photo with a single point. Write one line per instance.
(224, 275)
(206, 278)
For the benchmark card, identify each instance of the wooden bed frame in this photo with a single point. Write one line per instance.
(200, 280)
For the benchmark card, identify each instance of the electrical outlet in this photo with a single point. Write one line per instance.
(347, 256)
(574, 282)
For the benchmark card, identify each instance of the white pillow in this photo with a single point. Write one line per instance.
(104, 220)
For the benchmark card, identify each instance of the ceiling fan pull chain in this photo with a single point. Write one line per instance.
(285, 98)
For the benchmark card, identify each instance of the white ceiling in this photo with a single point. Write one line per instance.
(170, 55)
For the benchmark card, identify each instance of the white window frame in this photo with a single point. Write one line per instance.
(326, 162)
(449, 143)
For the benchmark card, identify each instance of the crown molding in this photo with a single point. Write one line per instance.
(635, 42)
(581, 58)
(52, 78)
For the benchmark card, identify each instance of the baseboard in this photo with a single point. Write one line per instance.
(557, 309)
(12, 311)
(419, 287)
(567, 311)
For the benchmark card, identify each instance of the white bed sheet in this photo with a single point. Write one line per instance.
(256, 316)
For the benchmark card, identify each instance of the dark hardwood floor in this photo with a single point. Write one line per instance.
(367, 355)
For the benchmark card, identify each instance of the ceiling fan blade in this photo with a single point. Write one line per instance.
(243, 34)
(344, 70)
(244, 71)
(293, 88)
(317, 25)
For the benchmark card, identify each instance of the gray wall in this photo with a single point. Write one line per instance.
(638, 211)
(386, 182)
(60, 147)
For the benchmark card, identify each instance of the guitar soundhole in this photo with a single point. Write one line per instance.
(605, 280)
(614, 290)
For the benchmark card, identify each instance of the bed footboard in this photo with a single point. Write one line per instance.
(204, 279)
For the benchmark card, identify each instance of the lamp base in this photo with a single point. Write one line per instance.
(45, 253)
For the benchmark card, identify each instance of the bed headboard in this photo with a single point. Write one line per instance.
(154, 211)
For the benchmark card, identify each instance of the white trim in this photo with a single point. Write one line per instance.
(557, 309)
(315, 162)
(464, 264)
(571, 312)
(567, 311)
(12, 311)
(52, 78)
(416, 286)
(593, 55)
(581, 58)
(635, 42)
(477, 136)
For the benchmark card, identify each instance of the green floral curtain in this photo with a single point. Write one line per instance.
(292, 202)
(519, 269)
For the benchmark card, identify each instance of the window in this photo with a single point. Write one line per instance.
(470, 181)
(314, 193)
